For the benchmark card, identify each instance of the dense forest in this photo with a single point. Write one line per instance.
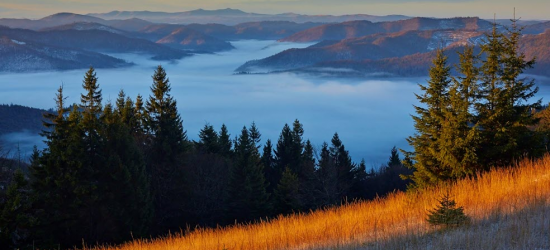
(116, 171)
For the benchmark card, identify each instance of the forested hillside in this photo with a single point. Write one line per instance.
(20, 118)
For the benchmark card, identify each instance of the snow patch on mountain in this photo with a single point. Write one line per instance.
(18, 42)
(444, 39)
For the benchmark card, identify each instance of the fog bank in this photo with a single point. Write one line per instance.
(371, 116)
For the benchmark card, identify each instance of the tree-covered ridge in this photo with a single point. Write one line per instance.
(21, 118)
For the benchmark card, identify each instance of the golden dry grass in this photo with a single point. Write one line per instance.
(505, 204)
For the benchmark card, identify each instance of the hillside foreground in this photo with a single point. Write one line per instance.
(509, 208)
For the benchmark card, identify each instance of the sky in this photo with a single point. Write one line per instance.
(526, 9)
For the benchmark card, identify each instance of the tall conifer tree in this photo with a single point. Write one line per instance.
(428, 125)
(167, 144)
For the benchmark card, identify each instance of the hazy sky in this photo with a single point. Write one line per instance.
(527, 9)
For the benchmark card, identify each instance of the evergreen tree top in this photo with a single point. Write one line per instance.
(91, 100)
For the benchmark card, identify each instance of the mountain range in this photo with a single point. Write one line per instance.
(413, 64)
(362, 48)
(234, 16)
(349, 43)
(353, 29)
(19, 56)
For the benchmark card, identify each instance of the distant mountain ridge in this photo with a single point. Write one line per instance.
(353, 29)
(413, 64)
(234, 16)
(95, 40)
(371, 47)
(25, 56)
(367, 40)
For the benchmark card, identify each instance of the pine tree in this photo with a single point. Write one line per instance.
(428, 124)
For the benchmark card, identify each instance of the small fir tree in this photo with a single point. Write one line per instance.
(447, 213)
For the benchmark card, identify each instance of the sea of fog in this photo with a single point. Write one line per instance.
(371, 116)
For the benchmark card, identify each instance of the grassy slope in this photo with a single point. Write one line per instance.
(509, 208)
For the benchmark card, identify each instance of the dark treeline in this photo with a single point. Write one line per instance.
(119, 170)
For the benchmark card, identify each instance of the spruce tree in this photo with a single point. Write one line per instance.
(269, 165)
(344, 166)
(287, 196)
(15, 213)
(255, 135)
(225, 142)
(167, 143)
(289, 151)
(92, 171)
(139, 113)
(394, 158)
(90, 103)
(327, 176)
(298, 148)
(504, 108)
(447, 213)
(460, 135)
(129, 206)
(247, 195)
(284, 154)
(209, 141)
(57, 181)
(428, 124)
(125, 110)
(307, 177)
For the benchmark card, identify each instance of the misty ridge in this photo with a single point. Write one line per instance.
(366, 66)
(207, 92)
(357, 45)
